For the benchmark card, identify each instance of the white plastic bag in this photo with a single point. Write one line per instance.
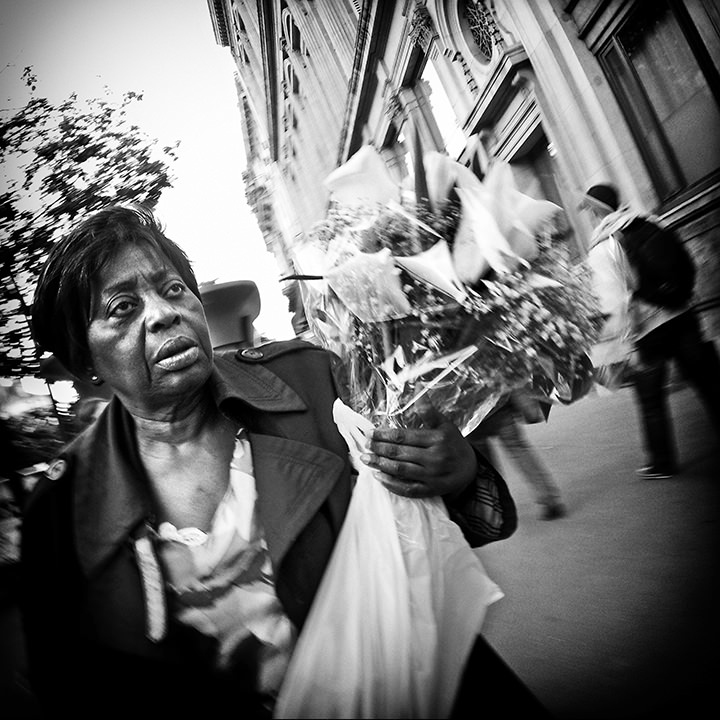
(612, 284)
(397, 612)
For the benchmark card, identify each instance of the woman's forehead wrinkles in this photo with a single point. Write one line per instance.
(130, 281)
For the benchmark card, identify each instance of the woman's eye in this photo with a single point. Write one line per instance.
(175, 288)
(121, 308)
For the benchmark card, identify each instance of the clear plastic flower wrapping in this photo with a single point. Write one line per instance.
(386, 296)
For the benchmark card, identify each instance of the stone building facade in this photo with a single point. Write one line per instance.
(569, 92)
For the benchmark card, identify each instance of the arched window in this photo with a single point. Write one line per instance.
(482, 27)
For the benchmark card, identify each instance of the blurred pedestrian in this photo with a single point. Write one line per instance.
(644, 278)
(505, 427)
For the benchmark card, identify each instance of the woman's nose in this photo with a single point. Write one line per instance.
(160, 313)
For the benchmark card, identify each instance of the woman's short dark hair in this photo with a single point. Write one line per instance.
(61, 307)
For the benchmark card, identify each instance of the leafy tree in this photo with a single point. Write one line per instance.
(59, 162)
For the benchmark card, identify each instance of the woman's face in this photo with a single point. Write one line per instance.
(148, 336)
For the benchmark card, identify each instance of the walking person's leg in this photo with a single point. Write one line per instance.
(649, 382)
(519, 450)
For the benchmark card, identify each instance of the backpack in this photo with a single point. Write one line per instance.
(665, 269)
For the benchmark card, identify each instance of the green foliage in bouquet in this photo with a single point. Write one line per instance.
(539, 323)
(396, 301)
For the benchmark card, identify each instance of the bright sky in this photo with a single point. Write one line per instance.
(165, 49)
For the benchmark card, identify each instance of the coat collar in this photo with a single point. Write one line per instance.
(112, 501)
(611, 223)
(254, 384)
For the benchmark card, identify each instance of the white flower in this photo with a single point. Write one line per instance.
(435, 267)
(363, 179)
(480, 244)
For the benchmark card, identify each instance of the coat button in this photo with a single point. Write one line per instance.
(252, 353)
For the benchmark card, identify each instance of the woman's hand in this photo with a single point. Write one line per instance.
(433, 460)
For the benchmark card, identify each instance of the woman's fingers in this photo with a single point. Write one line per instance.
(421, 462)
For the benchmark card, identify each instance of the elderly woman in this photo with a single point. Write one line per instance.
(172, 553)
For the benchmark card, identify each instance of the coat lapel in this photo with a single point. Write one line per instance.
(112, 499)
(293, 479)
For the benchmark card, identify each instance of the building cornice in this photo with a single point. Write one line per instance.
(370, 43)
(268, 35)
(219, 22)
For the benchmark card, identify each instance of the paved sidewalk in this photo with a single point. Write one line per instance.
(611, 612)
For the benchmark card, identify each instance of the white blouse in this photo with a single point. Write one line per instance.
(223, 579)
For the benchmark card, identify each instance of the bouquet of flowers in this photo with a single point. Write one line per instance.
(459, 291)
(456, 293)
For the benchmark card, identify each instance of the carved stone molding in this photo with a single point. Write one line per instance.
(421, 27)
(467, 73)
(393, 105)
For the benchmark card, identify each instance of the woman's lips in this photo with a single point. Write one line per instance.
(181, 360)
(177, 354)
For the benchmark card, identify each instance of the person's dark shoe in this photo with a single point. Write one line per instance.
(553, 511)
(653, 472)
